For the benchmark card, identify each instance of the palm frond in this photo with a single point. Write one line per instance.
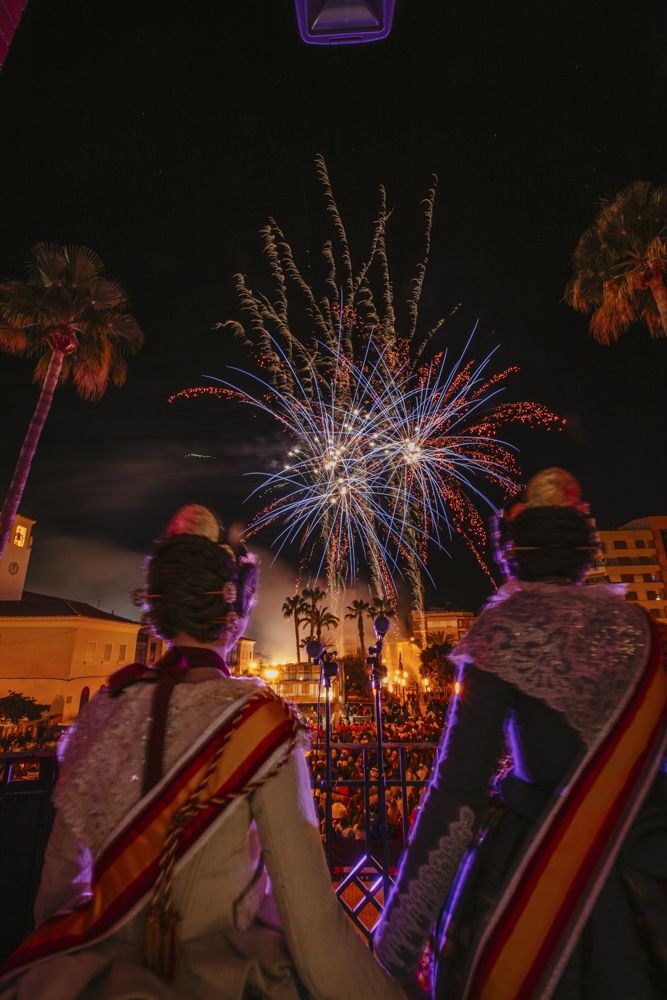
(125, 328)
(106, 294)
(614, 315)
(13, 341)
(47, 263)
(84, 266)
(614, 261)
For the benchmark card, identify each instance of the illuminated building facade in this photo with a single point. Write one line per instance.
(60, 652)
(451, 624)
(241, 656)
(296, 682)
(636, 554)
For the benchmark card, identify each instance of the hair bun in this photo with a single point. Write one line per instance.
(193, 519)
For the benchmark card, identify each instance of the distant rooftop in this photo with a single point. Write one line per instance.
(43, 606)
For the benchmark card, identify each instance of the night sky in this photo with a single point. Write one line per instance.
(164, 134)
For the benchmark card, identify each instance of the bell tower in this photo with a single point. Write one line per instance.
(15, 559)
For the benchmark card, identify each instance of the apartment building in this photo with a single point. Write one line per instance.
(636, 554)
(453, 624)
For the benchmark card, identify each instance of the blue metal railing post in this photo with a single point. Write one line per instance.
(328, 825)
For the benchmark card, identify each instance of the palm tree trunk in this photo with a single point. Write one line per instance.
(30, 442)
(362, 643)
(296, 632)
(659, 290)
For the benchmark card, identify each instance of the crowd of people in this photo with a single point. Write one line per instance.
(29, 742)
(411, 734)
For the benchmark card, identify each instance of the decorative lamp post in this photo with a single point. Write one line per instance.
(378, 675)
(328, 670)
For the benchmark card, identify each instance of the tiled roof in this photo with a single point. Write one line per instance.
(44, 606)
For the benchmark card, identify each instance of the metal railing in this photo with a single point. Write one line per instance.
(26, 817)
(359, 864)
(396, 778)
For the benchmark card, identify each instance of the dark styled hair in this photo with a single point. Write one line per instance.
(547, 543)
(199, 587)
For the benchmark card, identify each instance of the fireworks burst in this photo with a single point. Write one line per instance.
(386, 461)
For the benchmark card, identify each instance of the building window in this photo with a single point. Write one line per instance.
(91, 650)
(620, 545)
(640, 543)
(651, 595)
(122, 652)
(106, 655)
(631, 595)
(627, 578)
(20, 535)
(648, 577)
(152, 652)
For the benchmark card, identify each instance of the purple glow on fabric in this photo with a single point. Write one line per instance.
(10, 15)
(456, 890)
(514, 741)
(343, 22)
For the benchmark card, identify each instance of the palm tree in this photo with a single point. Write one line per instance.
(620, 264)
(321, 618)
(312, 596)
(73, 320)
(357, 610)
(294, 607)
(379, 606)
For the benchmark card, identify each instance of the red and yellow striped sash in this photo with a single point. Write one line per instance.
(524, 950)
(128, 866)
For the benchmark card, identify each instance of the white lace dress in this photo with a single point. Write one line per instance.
(259, 917)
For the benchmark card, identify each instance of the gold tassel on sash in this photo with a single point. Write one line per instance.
(161, 941)
(161, 930)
